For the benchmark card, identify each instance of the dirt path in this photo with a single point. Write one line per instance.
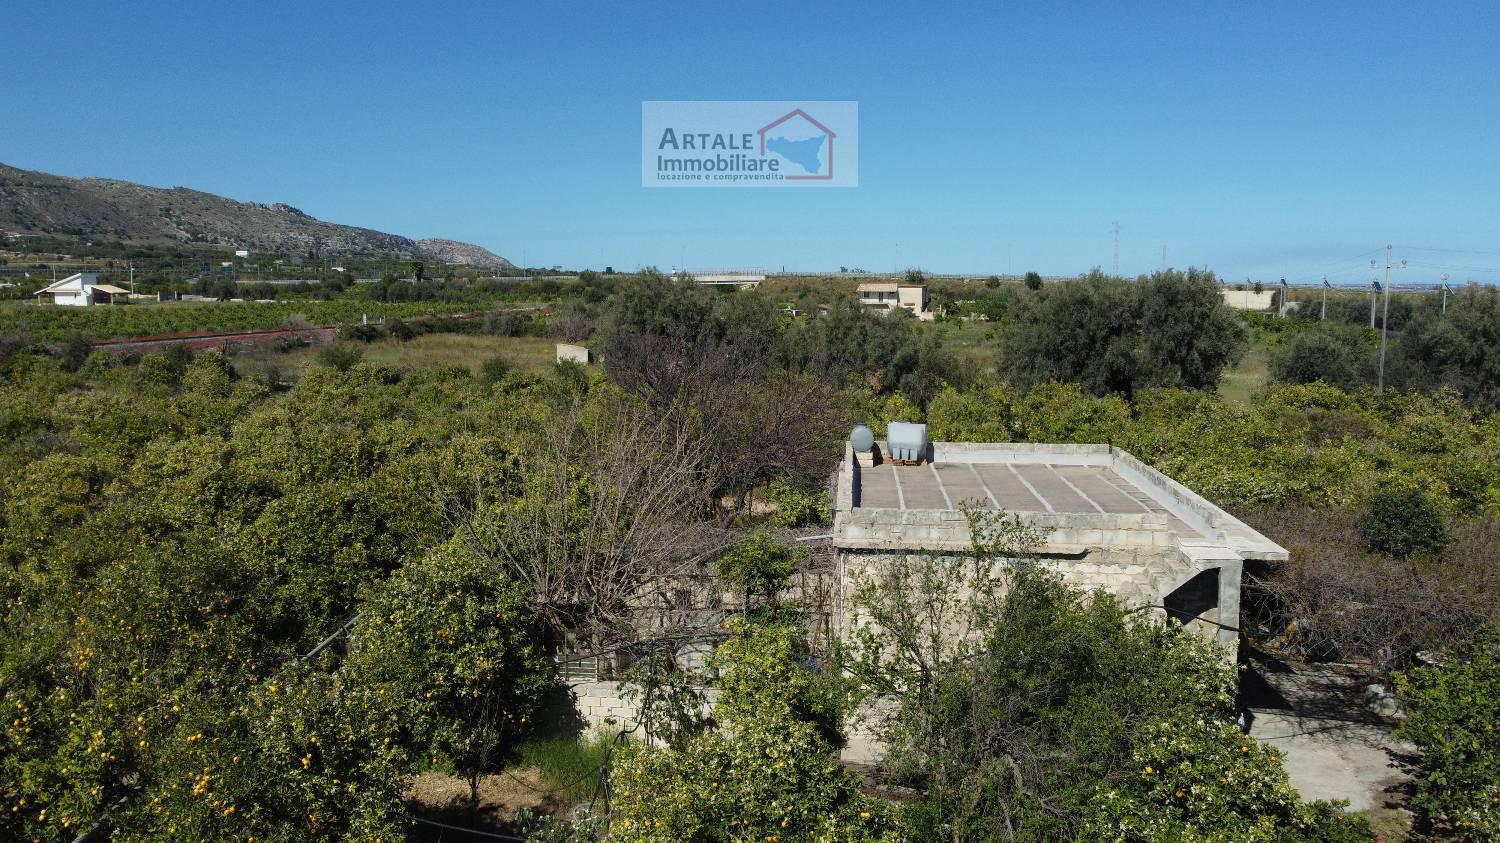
(445, 799)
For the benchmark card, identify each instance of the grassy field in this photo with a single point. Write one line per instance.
(424, 352)
(1250, 374)
(968, 343)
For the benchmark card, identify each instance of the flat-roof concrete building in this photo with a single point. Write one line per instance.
(1114, 523)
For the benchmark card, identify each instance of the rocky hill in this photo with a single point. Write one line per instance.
(452, 251)
(106, 209)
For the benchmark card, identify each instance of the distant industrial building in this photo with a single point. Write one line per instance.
(886, 296)
(81, 290)
(727, 277)
(1249, 299)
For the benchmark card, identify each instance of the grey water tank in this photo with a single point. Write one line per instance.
(906, 440)
(862, 439)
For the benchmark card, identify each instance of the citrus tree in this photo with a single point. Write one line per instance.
(444, 660)
(770, 773)
(1452, 710)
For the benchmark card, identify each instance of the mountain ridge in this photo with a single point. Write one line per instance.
(37, 203)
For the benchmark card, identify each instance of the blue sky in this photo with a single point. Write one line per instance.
(1257, 139)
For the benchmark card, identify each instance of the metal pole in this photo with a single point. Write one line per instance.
(1385, 323)
(1374, 291)
(1323, 316)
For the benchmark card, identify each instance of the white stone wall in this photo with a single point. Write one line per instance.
(601, 706)
(567, 353)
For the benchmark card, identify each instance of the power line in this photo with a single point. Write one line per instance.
(1452, 251)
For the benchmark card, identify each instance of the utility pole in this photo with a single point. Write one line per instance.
(1385, 319)
(1116, 270)
(1446, 291)
(1323, 316)
(1374, 291)
(132, 278)
(1285, 291)
(1163, 257)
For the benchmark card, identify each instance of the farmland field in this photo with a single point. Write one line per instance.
(56, 323)
(429, 351)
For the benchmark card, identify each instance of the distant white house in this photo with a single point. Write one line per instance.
(886, 296)
(1249, 299)
(242, 253)
(81, 290)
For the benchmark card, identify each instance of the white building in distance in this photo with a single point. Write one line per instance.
(1249, 299)
(81, 290)
(886, 296)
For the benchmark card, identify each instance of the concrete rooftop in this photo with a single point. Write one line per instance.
(1081, 485)
(1013, 487)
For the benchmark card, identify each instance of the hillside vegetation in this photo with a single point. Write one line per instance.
(34, 203)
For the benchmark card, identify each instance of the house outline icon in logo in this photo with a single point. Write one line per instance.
(797, 112)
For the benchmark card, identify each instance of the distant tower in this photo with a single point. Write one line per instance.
(1117, 248)
(1163, 257)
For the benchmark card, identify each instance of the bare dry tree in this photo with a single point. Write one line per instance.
(1335, 599)
(786, 427)
(608, 506)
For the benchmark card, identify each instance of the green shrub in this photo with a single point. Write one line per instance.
(1404, 522)
(1451, 714)
(156, 369)
(494, 369)
(75, 351)
(400, 330)
(340, 356)
(773, 775)
(799, 507)
(758, 565)
(363, 333)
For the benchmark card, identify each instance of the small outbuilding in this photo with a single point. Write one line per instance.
(568, 353)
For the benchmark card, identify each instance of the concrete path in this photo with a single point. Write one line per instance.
(1335, 746)
(1329, 759)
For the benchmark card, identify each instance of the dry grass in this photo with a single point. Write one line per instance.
(424, 352)
(1391, 825)
(445, 799)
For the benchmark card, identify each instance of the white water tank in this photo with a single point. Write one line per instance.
(906, 441)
